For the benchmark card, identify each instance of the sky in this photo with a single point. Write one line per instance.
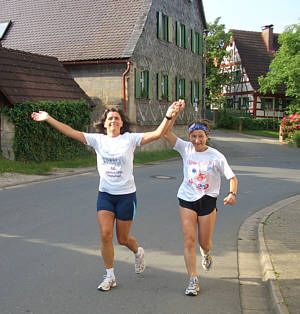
(252, 15)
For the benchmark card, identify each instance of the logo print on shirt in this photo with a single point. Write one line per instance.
(197, 174)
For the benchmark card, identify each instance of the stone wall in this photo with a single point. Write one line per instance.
(158, 55)
(7, 137)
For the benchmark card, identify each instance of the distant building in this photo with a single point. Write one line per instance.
(138, 54)
(250, 56)
(30, 77)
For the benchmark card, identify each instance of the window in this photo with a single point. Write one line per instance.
(164, 27)
(229, 103)
(181, 88)
(163, 87)
(245, 103)
(196, 42)
(181, 35)
(196, 92)
(267, 103)
(3, 28)
(143, 84)
(237, 75)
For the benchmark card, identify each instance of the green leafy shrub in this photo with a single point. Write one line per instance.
(297, 138)
(231, 121)
(38, 141)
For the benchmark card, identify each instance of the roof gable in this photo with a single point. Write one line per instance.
(72, 30)
(253, 53)
(31, 77)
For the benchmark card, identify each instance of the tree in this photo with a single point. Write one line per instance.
(216, 43)
(285, 67)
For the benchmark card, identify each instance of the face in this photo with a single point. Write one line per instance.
(113, 122)
(198, 138)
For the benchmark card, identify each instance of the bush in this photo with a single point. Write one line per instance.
(297, 138)
(229, 121)
(39, 141)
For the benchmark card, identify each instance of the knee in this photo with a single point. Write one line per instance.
(106, 237)
(190, 242)
(122, 240)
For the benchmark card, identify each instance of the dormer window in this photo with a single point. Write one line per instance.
(3, 28)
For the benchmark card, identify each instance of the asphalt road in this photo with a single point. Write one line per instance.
(49, 239)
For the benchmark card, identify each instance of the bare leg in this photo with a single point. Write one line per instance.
(205, 231)
(106, 223)
(123, 230)
(189, 227)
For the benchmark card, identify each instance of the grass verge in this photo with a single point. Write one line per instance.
(264, 133)
(88, 161)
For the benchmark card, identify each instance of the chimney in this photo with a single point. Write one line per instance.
(267, 34)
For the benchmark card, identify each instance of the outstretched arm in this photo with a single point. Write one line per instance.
(149, 137)
(61, 127)
(230, 199)
(170, 135)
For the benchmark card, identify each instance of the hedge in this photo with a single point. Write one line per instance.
(38, 141)
(228, 121)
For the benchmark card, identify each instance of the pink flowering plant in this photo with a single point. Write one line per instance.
(289, 126)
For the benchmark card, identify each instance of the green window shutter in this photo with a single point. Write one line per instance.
(192, 92)
(193, 40)
(178, 31)
(159, 25)
(137, 83)
(177, 87)
(149, 84)
(186, 86)
(159, 93)
(186, 37)
(170, 26)
(169, 89)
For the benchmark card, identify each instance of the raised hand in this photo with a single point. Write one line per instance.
(40, 116)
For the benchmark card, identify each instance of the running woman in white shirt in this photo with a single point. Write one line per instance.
(197, 195)
(114, 145)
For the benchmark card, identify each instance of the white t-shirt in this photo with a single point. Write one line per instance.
(115, 160)
(202, 171)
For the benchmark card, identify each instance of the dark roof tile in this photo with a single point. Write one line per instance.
(31, 77)
(254, 55)
(71, 30)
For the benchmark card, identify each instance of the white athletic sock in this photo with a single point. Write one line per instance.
(137, 254)
(110, 272)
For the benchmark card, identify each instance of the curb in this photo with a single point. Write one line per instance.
(50, 177)
(265, 259)
(251, 238)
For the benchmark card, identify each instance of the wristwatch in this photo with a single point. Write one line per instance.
(232, 193)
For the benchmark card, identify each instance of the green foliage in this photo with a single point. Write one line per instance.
(294, 107)
(216, 43)
(229, 121)
(37, 141)
(297, 138)
(284, 68)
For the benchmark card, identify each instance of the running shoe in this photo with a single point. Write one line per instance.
(140, 261)
(193, 287)
(107, 283)
(206, 260)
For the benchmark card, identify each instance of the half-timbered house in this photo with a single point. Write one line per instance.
(250, 54)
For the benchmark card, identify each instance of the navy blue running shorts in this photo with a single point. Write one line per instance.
(204, 206)
(123, 205)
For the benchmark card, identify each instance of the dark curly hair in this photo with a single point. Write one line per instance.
(99, 126)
